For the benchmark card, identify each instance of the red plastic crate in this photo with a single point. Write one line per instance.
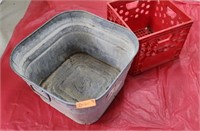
(160, 26)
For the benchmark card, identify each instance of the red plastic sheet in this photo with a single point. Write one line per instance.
(166, 97)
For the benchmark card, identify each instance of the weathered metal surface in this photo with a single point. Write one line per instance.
(81, 77)
(73, 57)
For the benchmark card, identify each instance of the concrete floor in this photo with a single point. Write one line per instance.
(11, 12)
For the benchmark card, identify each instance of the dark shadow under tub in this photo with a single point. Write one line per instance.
(80, 77)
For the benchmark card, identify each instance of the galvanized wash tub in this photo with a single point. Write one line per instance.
(76, 56)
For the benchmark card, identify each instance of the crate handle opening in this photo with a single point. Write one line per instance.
(171, 13)
(160, 41)
(132, 5)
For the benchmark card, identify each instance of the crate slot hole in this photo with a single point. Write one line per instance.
(126, 13)
(126, 19)
(161, 8)
(121, 11)
(160, 15)
(157, 8)
(137, 10)
(172, 22)
(148, 6)
(142, 11)
(143, 5)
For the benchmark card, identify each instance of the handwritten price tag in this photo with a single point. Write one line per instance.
(86, 104)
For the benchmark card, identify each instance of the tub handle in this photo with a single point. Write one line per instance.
(47, 98)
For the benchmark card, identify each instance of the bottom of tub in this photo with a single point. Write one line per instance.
(80, 77)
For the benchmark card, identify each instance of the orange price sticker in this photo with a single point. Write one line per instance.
(86, 103)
